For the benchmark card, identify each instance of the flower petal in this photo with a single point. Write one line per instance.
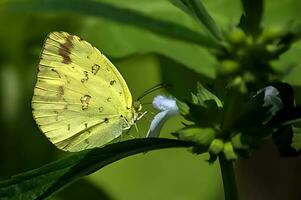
(165, 103)
(272, 98)
(157, 124)
(168, 107)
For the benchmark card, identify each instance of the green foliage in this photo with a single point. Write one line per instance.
(204, 108)
(45, 181)
(296, 141)
(118, 14)
(250, 21)
(196, 134)
(196, 9)
(126, 26)
(239, 124)
(204, 95)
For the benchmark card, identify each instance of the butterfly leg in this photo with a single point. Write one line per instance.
(141, 115)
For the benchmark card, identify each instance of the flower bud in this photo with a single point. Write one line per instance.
(229, 151)
(236, 142)
(202, 136)
(228, 67)
(236, 35)
(216, 146)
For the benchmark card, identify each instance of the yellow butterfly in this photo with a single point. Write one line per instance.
(80, 99)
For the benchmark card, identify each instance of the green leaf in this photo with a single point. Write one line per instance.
(252, 16)
(205, 95)
(207, 115)
(43, 182)
(197, 10)
(114, 13)
(281, 12)
(296, 142)
(183, 108)
(204, 110)
(203, 136)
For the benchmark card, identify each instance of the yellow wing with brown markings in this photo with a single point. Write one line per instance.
(80, 99)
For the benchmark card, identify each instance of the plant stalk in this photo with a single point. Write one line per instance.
(229, 179)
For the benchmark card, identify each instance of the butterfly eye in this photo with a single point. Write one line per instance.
(137, 106)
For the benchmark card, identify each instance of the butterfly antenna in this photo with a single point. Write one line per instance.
(152, 89)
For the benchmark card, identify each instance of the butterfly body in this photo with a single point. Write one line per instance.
(80, 99)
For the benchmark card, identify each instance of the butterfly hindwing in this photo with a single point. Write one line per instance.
(79, 96)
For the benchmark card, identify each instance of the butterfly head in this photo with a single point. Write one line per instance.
(137, 111)
(137, 106)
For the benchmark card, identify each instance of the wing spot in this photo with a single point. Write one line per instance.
(95, 69)
(86, 77)
(100, 109)
(106, 120)
(61, 91)
(109, 99)
(85, 101)
(120, 93)
(86, 125)
(57, 115)
(65, 49)
(58, 74)
(68, 127)
(112, 82)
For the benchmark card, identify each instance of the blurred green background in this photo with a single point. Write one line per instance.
(144, 59)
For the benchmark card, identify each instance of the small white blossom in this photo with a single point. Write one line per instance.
(168, 108)
(272, 98)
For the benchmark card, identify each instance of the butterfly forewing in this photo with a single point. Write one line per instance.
(80, 97)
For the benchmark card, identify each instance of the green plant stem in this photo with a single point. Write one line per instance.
(229, 181)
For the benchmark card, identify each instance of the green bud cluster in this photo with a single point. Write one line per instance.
(231, 128)
(250, 57)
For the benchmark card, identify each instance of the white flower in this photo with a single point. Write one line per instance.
(272, 98)
(168, 108)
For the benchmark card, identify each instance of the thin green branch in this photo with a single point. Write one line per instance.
(252, 16)
(197, 10)
(229, 180)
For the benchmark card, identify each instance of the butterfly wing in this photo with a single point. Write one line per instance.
(79, 96)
